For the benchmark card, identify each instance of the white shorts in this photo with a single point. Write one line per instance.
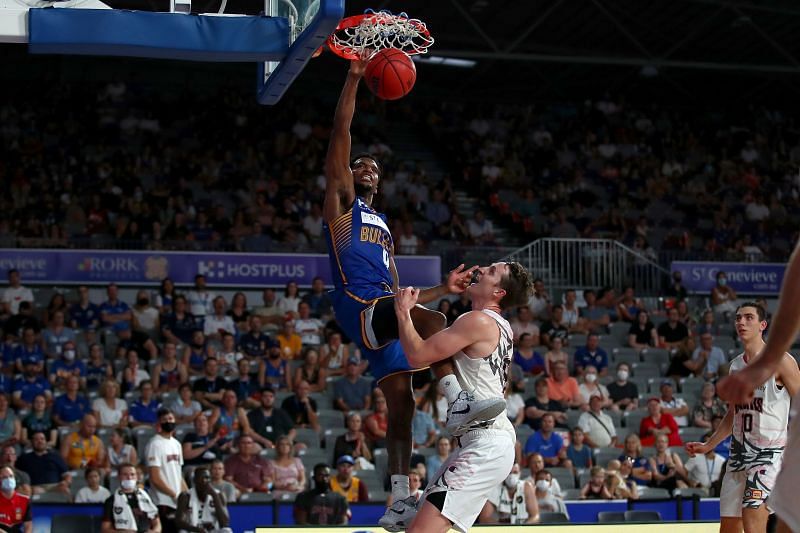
(747, 489)
(477, 466)
(783, 499)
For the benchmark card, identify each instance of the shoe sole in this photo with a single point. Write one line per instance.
(489, 413)
(393, 527)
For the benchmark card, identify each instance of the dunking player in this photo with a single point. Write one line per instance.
(365, 278)
(482, 342)
(738, 389)
(758, 428)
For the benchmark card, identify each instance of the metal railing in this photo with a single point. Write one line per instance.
(590, 264)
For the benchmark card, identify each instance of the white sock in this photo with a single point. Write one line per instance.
(400, 489)
(450, 387)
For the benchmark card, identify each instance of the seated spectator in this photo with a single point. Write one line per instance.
(290, 343)
(526, 357)
(93, 492)
(549, 444)
(515, 403)
(246, 470)
(209, 388)
(114, 311)
(658, 423)
(642, 333)
(83, 314)
(597, 426)
(39, 419)
(376, 423)
(186, 408)
(67, 366)
(274, 372)
(541, 404)
(572, 318)
(623, 393)
(434, 461)
(632, 455)
(621, 487)
(10, 425)
(629, 306)
(480, 229)
(29, 385)
(685, 316)
(120, 451)
(56, 336)
(320, 505)
(229, 357)
(591, 354)
(109, 408)
(723, 297)
(708, 325)
(144, 410)
(546, 497)
(354, 442)
(301, 407)
(239, 312)
(290, 300)
(312, 372)
(169, 373)
(708, 361)
(579, 453)
(351, 392)
(596, 318)
(202, 507)
(287, 471)
(595, 488)
(708, 407)
(196, 354)
(83, 447)
(29, 351)
(9, 460)
(218, 482)
(536, 465)
(218, 322)
(554, 327)
(563, 388)
(145, 317)
(178, 326)
(165, 296)
(200, 446)
(589, 387)
(98, 369)
(199, 298)
(667, 467)
(702, 471)
(346, 484)
(133, 374)
(71, 407)
(130, 507)
(246, 385)
(269, 422)
(423, 429)
(309, 328)
(555, 354)
(16, 325)
(334, 355)
(674, 405)
(523, 324)
(255, 344)
(514, 501)
(318, 300)
(130, 340)
(229, 419)
(271, 315)
(675, 289)
(672, 333)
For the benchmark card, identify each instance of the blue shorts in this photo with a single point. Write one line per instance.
(366, 314)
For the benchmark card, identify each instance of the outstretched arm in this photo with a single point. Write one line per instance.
(457, 282)
(738, 387)
(338, 176)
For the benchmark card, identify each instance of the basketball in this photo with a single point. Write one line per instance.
(390, 74)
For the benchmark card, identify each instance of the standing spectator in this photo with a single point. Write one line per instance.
(318, 300)
(623, 393)
(130, 507)
(320, 505)
(39, 419)
(14, 294)
(83, 447)
(597, 426)
(248, 471)
(351, 392)
(658, 423)
(56, 336)
(723, 297)
(218, 322)
(47, 469)
(290, 300)
(674, 405)
(114, 311)
(345, 483)
(144, 410)
(15, 508)
(226, 488)
(165, 297)
(202, 508)
(591, 354)
(301, 407)
(548, 444)
(270, 422)
(290, 343)
(145, 316)
(29, 385)
(309, 328)
(93, 492)
(208, 389)
(708, 407)
(72, 406)
(564, 388)
(708, 361)
(83, 314)
(287, 472)
(199, 298)
(642, 333)
(164, 464)
(179, 324)
(672, 333)
(541, 404)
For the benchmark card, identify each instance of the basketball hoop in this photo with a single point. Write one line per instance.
(374, 31)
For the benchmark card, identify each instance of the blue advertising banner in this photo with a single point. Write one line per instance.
(220, 269)
(745, 278)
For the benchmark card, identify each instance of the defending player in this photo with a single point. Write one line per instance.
(738, 388)
(482, 342)
(758, 428)
(365, 278)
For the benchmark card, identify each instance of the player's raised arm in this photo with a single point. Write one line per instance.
(339, 188)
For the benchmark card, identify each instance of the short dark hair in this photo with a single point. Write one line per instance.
(163, 411)
(123, 466)
(762, 313)
(367, 155)
(518, 286)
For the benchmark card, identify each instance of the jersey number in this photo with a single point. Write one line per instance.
(747, 422)
(386, 257)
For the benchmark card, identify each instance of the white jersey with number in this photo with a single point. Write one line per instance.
(486, 377)
(759, 427)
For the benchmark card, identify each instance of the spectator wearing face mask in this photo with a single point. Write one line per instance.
(547, 501)
(624, 394)
(514, 501)
(590, 388)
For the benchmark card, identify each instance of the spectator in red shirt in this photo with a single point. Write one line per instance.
(658, 423)
(15, 509)
(248, 471)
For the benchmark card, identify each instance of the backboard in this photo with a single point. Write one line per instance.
(280, 36)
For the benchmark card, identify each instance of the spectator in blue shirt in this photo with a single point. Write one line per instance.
(28, 385)
(114, 311)
(69, 408)
(254, 344)
(97, 369)
(84, 315)
(144, 411)
(29, 351)
(423, 429)
(318, 300)
(591, 354)
(67, 366)
(179, 325)
(548, 444)
(578, 452)
(56, 335)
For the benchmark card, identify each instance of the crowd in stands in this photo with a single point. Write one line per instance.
(263, 393)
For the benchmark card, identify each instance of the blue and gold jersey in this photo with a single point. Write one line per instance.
(359, 246)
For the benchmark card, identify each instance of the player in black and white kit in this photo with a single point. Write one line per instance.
(758, 428)
(482, 342)
(738, 388)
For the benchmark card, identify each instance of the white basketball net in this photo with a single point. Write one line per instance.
(383, 30)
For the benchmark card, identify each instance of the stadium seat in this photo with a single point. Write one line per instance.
(688, 493)
(256, 497)
(565, 477)
(51, 497)
(610, 516)
(523, 432)
(553, 518)
(691, 387)
(650, 493)
(646, 370)
(642, 516)
(625, 355)
(632, 419)
(603, 455)
(307, 436)
(323, 399)
(330, 418)
(692, 434)
(572, 494)
(657, 356)
(330, 437)
(619, 331)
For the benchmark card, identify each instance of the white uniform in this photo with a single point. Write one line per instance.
(484, 455)
(167, 454)
(783, 499)
(757, 442)
(514, 509)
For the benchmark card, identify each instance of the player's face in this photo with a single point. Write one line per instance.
(748, 326)
(486, 280)
(366, 175)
